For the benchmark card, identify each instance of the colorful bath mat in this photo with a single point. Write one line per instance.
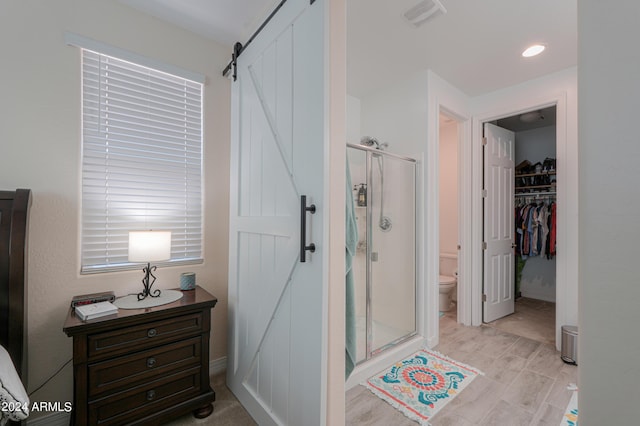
(570, 417)
(422, 384)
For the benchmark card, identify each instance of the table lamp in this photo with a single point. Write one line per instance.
(149, 246)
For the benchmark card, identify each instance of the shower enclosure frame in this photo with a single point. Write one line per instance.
(381, 154)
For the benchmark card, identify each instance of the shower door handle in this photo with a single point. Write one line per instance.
(303, 228)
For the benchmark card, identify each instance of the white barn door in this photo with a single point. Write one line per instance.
(277, 355)
(499, 258)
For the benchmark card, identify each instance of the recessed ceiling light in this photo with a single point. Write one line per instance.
(534, 50)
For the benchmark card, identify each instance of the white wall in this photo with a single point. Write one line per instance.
(609, 343)
(40, 112)
(354, 131)
(396, 115)
(539, 273)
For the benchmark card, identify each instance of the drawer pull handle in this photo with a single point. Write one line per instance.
(152, 332)
(151, 395)
(151, 362)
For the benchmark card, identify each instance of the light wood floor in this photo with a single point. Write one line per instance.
(525, 381)
(535, 319)
(227, 410)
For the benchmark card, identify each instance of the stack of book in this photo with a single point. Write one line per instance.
(95, 310)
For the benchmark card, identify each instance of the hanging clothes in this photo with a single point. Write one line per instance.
(535, 234)
(552, 238)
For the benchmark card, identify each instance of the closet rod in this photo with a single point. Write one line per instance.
(534, 194)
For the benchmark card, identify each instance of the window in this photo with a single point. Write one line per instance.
(141, 161)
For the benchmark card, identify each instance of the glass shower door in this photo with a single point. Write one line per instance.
(384, 265)
(391, 250)
(358, 167)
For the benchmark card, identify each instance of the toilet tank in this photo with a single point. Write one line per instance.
(448, 264)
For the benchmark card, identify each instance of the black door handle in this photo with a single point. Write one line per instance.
(303, 228)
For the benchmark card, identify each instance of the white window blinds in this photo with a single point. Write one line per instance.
(141, 161)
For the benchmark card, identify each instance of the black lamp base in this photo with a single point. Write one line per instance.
(148, 283)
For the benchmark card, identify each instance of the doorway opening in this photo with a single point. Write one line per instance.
(519, 208)
(449, 219)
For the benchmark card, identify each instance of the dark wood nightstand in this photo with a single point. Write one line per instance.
(143, 366)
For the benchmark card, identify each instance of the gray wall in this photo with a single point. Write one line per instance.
(609, 192)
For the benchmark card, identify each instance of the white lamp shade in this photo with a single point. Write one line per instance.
(149, 246)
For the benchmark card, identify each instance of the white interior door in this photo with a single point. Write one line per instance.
(499, 259)
(276, 351)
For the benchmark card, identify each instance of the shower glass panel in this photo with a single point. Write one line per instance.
(384, 268)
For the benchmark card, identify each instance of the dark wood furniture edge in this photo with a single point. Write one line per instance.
(13, 294)
(203, 412)
(178, 410)
(74, 325)
(16, 344)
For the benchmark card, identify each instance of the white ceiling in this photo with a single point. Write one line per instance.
(225, 21)
(475, 46)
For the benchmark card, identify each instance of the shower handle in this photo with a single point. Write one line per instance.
(303, 228)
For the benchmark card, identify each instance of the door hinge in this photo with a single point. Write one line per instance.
(484, 245)
(484, 193)
(484, 141)
(484, 297)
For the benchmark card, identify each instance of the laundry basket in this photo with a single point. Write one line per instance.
(569, 344)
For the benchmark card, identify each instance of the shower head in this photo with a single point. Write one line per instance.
(368, 141)
(373, 142)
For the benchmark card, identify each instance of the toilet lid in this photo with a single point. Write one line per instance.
(445, 279)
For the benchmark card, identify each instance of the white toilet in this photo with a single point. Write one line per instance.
(447, 285)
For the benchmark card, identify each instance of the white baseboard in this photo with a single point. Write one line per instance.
(381, 361)
(217, 366)
(51, 419)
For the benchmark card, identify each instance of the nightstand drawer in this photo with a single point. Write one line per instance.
(141, 401)
(127, 371)
(144, 335)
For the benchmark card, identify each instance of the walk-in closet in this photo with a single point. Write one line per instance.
(535, 224)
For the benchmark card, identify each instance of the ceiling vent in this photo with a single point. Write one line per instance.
(424, 11)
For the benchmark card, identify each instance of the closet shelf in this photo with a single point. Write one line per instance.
(536, 174)
(534, 187)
